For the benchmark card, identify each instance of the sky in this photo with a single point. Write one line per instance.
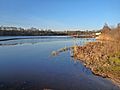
(60, 14)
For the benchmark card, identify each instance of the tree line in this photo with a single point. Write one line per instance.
(14, 31)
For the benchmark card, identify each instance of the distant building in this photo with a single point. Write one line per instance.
(97, 34)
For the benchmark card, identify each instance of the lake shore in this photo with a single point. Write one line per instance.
(103, 58)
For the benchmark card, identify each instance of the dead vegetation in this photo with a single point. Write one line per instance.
(102, 57)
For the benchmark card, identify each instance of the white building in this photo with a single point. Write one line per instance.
(97, 34)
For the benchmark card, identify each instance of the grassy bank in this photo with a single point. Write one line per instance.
(102, 57)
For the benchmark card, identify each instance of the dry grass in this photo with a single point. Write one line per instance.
(103, 57)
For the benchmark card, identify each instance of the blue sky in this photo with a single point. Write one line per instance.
(59, 14)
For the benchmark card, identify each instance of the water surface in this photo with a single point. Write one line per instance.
(27, 64)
